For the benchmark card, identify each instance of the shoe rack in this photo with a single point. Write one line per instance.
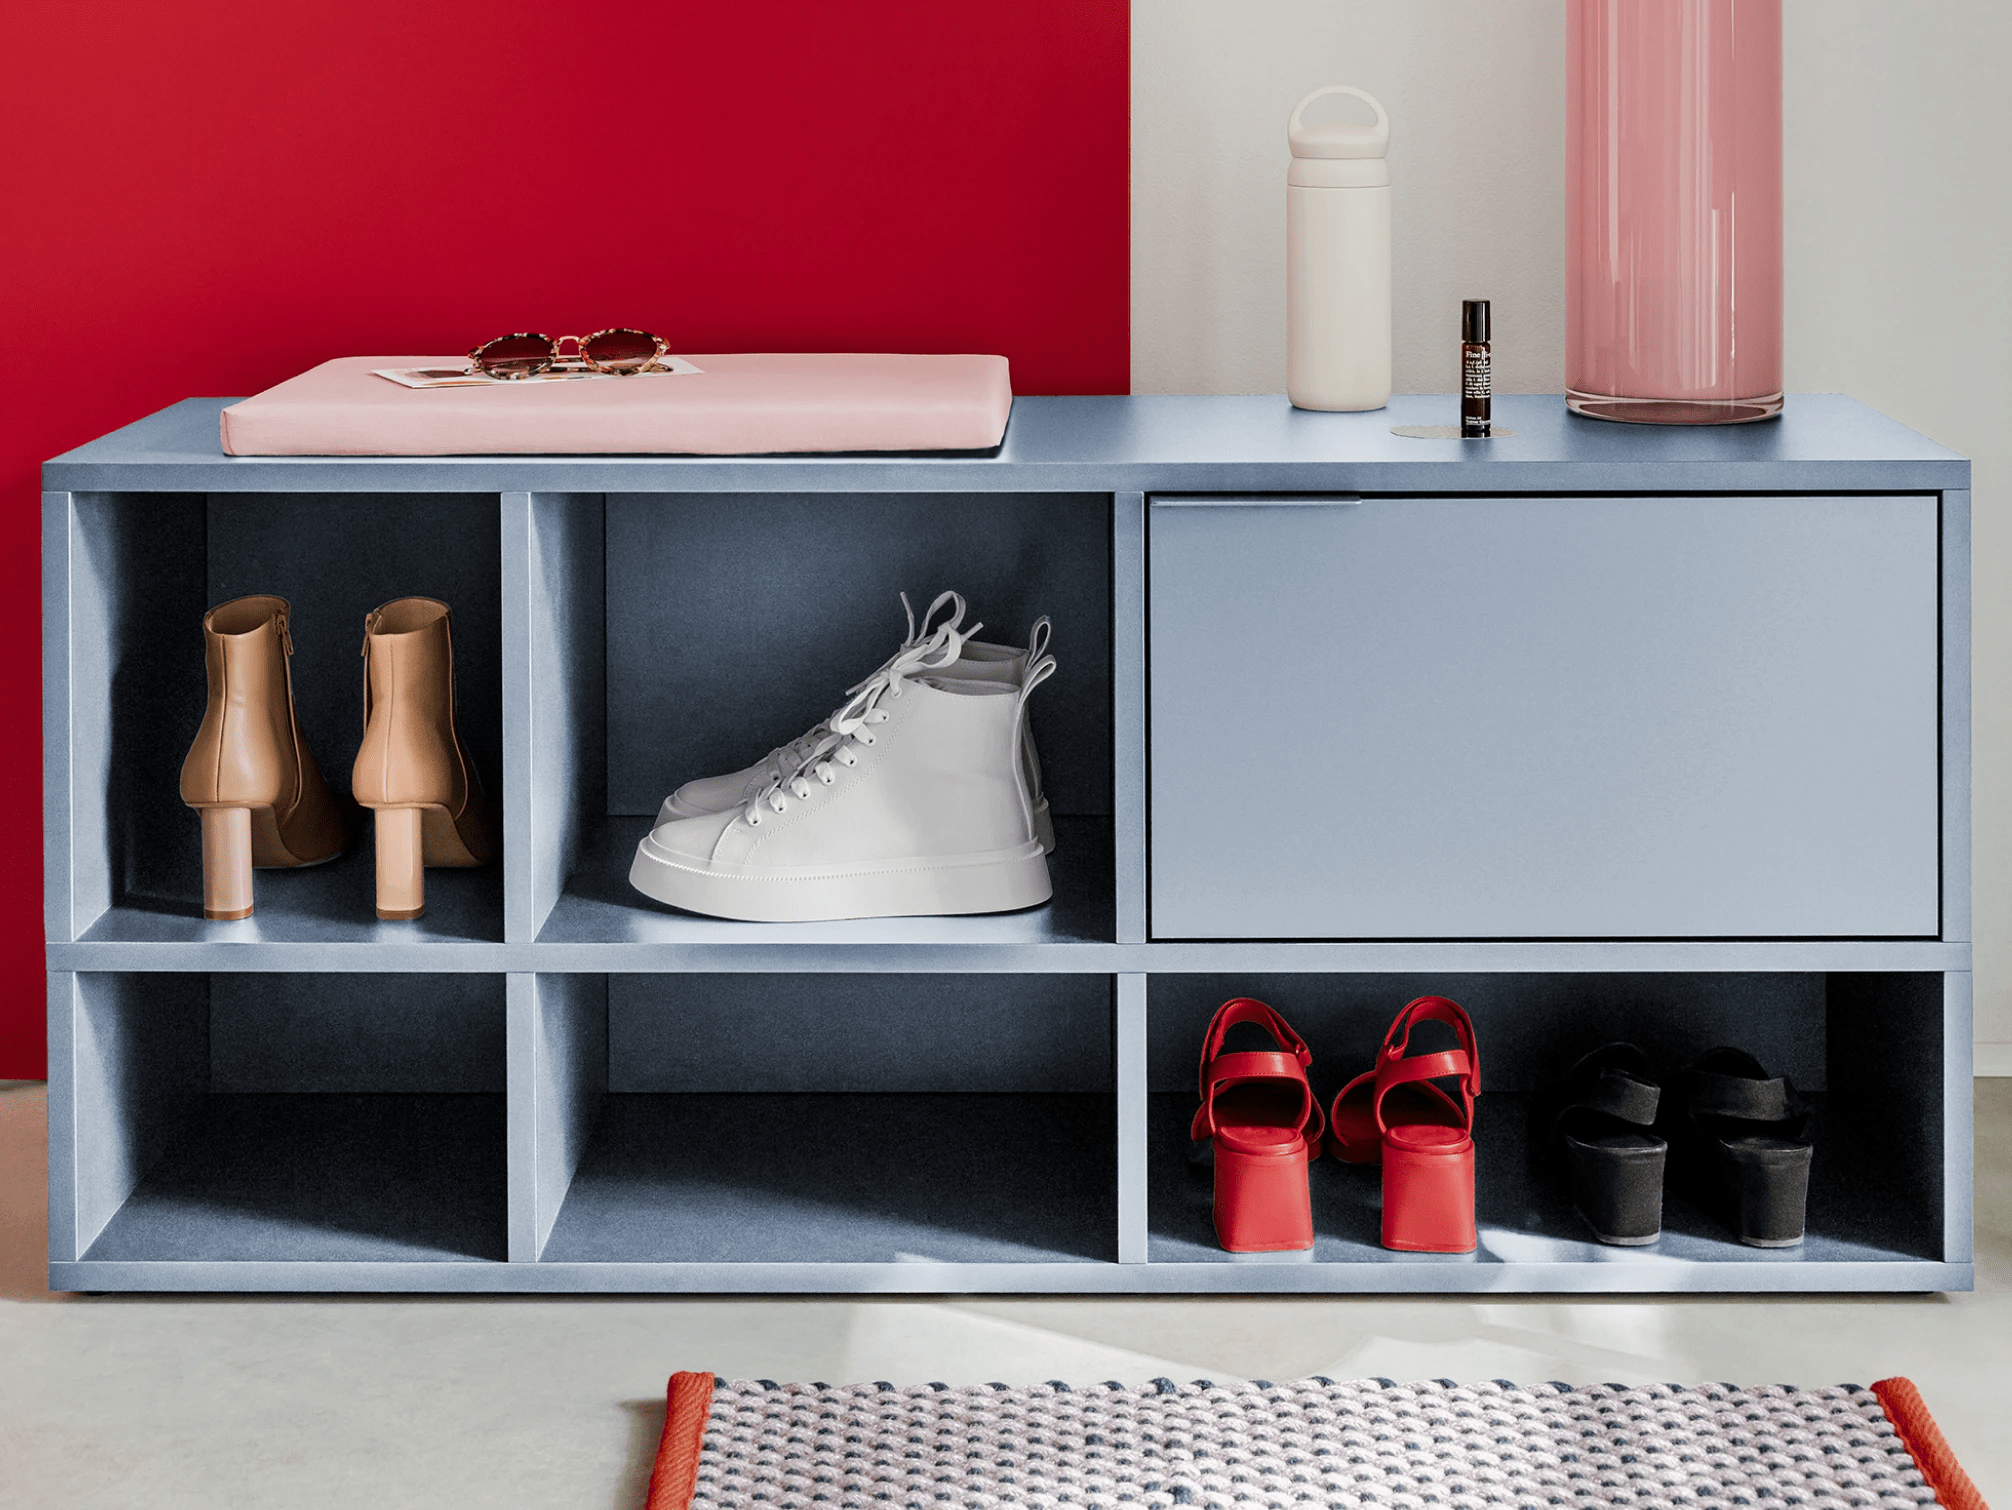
(1602, 731)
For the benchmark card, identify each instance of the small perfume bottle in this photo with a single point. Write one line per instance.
(1476, 382)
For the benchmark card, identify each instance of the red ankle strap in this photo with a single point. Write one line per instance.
(1463, 1063)
(1287, 1062)
(1245, 1009)
(1398, 1039)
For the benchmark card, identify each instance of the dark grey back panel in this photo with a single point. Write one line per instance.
(735, 623)
(1528, 1029)
(1887, 1052)
(332, 1032)
(335, 559)
(859, 1033)
(1545, 718)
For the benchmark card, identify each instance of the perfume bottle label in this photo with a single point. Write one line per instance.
(1475, 380)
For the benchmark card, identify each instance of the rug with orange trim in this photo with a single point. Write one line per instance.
(1372, 1444)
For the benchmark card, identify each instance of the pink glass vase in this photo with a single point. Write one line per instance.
(1673, 210)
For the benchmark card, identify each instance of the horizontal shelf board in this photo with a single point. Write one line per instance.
(891, 1178)
(1554, 956)
(333, 1178)
(757, 950)
(762, 957)
(1823, 441)
(339, 959)
(1523, 1216)
(599, 905)
(1007, 1279)
(335, 903)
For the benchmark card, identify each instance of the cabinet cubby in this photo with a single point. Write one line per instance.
(550, 1083)
(842, 1119)
(252, 1118)
(1865, 1050)
(144, 568)
(687, 634)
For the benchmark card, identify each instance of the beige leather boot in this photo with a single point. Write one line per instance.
(412, 771)
(262, 798)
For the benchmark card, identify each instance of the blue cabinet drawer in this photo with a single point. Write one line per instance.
(1522, 717)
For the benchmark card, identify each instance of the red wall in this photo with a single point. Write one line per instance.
(204, 197)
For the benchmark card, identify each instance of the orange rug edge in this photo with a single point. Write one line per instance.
(687, 1402)
(1909, 1414)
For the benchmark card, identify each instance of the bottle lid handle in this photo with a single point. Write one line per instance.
(1339, 141)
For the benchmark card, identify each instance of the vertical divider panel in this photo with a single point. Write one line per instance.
(140, 1065)
(1959, 1132)
(94, 612)
(1131, 1074)
(1128, 711)
(555, 699)
(62, 1112)
(522, 848)
(520, 1081)
(1956, 922)
(59, 901)
(569, 1085)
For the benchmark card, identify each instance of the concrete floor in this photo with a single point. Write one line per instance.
(555, 1403)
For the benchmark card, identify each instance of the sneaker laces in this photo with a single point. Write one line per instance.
(784, 760)
(851, 723)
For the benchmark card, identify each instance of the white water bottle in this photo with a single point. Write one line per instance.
(1337, 260)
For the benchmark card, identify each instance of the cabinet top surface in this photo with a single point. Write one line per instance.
(1823, 441)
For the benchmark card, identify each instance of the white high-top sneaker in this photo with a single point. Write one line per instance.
(978, 661)
(914, 803)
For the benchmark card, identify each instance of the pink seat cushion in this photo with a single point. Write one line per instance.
(736, 405)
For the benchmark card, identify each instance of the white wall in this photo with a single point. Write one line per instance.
(1898, 258)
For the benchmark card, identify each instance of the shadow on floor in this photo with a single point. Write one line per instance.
(646, 1430)
(24, 1192)
(844, 1178)
(327, 1176)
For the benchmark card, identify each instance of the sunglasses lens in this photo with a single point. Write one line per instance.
(622, 350)
(515, 356)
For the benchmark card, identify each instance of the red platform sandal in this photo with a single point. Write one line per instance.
(1396, 1116)
(1265, 1124)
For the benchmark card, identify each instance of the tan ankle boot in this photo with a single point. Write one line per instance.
(412, 771)
(249, 773)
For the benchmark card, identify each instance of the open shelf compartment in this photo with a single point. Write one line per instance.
(832, 1119)
(673, 636)
(235, 1118)
(143, 570)
(1866, 1050)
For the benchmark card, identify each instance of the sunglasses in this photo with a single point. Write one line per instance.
(620, 351)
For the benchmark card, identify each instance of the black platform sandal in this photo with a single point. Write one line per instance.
(1741, 1142)
(1600, 1122)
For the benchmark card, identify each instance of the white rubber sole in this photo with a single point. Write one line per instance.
(931, 886)
(673, 810)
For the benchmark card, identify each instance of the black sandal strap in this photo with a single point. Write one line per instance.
(1714, 1095)
(1624, 1097)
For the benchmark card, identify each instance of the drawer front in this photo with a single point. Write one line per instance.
(1544, 718)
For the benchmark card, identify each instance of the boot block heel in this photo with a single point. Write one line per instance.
(227, 863)
(1428, 1194)
(401, 863)
(1769, 1181)
(1618, 1192)
(1262, 1205)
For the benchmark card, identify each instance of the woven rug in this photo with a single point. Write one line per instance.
(1372, 1444)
